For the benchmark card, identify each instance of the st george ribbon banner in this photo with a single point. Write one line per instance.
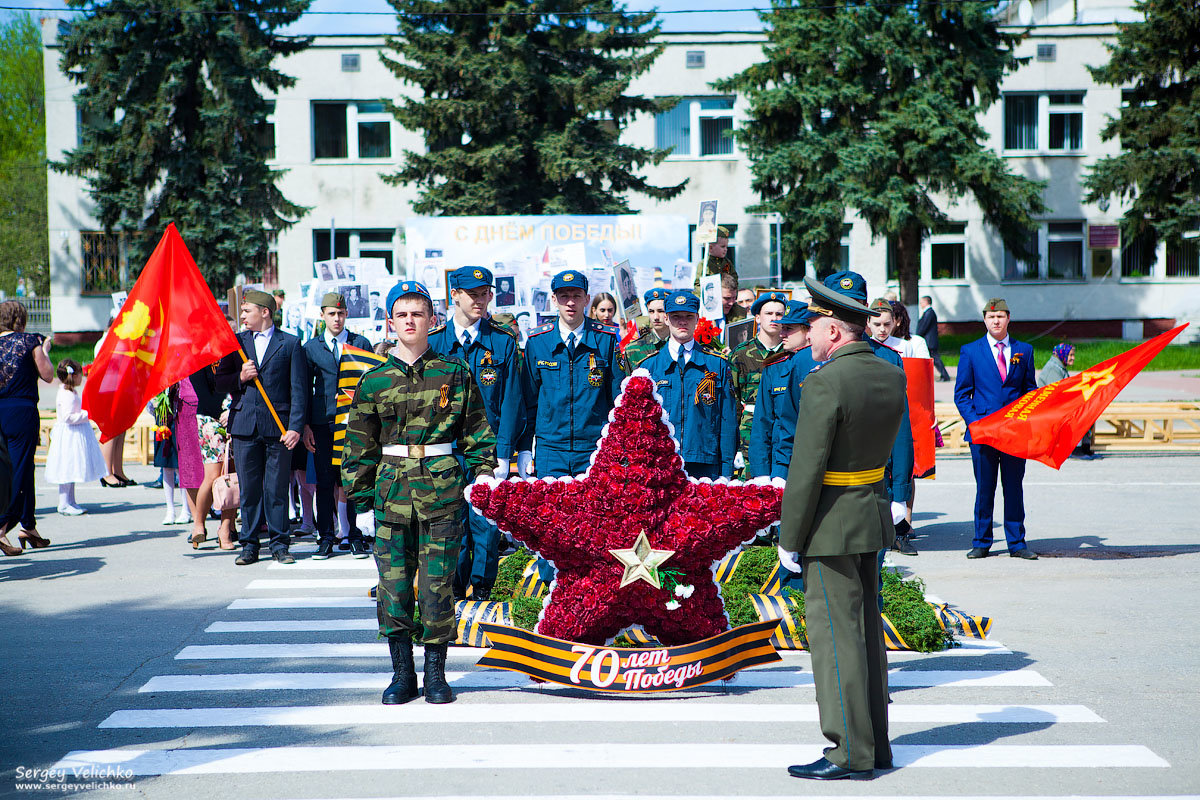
(630, 669)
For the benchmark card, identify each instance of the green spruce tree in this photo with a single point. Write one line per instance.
(1158, 169)
(521, 105)
(173, 119)
(874, 107)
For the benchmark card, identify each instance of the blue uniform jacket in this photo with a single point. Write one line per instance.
(567, 400)
(900, 465)
(705, 421)
(775, 411)
(978, 390)
(494, 362)
(323, 375)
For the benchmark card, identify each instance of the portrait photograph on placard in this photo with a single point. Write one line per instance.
(706, 225)
(739, 332)
(631, 304)
(506, 291)
(711, 307)
(358, 306)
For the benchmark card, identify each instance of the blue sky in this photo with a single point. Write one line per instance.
(710, 15)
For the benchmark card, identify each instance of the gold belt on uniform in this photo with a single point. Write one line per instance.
(861, 478)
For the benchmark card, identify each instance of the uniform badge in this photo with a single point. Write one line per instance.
(847, 283)
(478, 275)
(706, 391)
(487, 376)
(444, 399)
(568, 277)
(595, 374)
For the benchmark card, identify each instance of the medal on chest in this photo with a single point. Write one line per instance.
(595, 374)
(487, 373)
(706, 390)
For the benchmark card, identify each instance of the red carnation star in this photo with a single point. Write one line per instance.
(636, 483)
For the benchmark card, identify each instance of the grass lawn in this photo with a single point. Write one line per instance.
(1088, 352)
(83, 353)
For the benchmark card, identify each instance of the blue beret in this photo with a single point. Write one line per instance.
(568, 279)
(851, 284)
(797, 313)
(655, 294)
(405, 288)
(470, 278)
(768, 297)
(682, 300)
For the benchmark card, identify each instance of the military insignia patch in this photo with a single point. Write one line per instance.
(680, 300)
(595, 374)
(478, 275)
(568, 277)
(847, 283)
(488, 376)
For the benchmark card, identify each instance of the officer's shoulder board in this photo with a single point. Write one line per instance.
(777, 358)
(549, 326)
(596, 325)
(501, 329)
(437, 330)
(707, 349)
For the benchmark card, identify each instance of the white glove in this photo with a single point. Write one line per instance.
(738, 461)
(790, 560)
(899, 512)
(502, 469)
(524, 460)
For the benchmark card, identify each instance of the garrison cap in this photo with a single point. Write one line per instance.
(569, 279)
(848, 283)
(333, 300)
(797, 313)
(768, 297)
(404, 288)
(722, 232)
(260, 299)
(996, 304)
(470, 278)
(682, 300)
(829, 302)
(880, 304)
(655, 294)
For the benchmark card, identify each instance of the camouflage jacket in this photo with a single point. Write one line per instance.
(642, 348)
(714, 266)
(434, 401)
(747, 360)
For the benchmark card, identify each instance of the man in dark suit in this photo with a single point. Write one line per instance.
(927, 329)
(322, 355)
(836, 519)
(262, 452)
(993, 372)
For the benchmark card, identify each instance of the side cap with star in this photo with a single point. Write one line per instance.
(996, 304)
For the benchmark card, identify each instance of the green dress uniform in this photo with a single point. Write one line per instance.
(397, 460)
(836, 515)
(747, 360)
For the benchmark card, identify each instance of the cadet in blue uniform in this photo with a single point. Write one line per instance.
(491, 352)
(777, 402)
(697, 390)
(570, 379)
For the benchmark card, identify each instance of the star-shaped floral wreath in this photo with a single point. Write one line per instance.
(636, 484)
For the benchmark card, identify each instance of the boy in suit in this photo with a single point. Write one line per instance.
(993, 372)
(262, 453)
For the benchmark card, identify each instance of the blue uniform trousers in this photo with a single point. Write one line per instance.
(988, 461)
(480, 551)
(555, 464)
(698, 469)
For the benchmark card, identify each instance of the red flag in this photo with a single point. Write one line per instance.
(169, 327)
(630, 334)
(1046, 424)
(921, 415)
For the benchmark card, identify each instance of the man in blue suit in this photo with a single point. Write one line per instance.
(262, 453)
(322, 356)
(993, 372)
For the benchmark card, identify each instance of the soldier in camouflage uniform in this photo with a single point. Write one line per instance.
(408, 415)
(747, 360)
(718, 262)
(654, 334)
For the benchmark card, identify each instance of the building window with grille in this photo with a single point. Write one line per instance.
(698, 127)
(1183, 259)
(1138, 255)
(101, 262)
(948, 252)
(339, 129)
(1020, 122)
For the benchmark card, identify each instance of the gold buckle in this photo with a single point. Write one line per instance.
(416, 451)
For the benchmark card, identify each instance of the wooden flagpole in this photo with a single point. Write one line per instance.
(267, 400)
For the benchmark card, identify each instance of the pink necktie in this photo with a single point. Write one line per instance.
(1001, 362)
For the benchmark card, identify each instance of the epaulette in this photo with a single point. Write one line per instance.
(500, 329)
(776, 358)
(438, 329)
(596, 325)
(549, 326)
(704, 348)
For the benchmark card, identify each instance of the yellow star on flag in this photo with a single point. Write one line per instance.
(1089, 382)
(641, 562)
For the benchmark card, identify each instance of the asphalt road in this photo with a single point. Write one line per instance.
(114, 638)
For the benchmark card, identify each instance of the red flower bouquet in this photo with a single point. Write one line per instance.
(636, 485)
(707, 332)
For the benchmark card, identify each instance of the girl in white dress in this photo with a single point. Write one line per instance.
(74, 455)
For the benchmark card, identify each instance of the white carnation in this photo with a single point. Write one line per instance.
(672, 605)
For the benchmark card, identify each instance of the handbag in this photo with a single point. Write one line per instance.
(227, 495)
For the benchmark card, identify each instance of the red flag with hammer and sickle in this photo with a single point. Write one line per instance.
(169, 327)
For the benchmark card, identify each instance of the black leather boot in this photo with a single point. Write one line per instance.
(404, 674)
(436, 688)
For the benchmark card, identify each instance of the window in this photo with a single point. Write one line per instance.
(351, 62)
(1064, 251)
(1183, 260)
(1016, 270)
(948, 251)
(695, 59)
(267, 264)
(1066, 121)
(1047, 52)
(1138, 255)
(697, 126)
(266, 132)
(89, 120)
(1020, 122)
(101, 260)
(339, 129)
(378, 243)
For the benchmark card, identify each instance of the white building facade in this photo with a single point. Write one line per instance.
(336, 141)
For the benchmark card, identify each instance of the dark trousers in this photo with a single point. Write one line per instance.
(479, 555)
(989, 462)
(938, 365)
(556, 464)
(263, 469)
(19, 426)
(328, 478)
(698, 469)
(845, 637)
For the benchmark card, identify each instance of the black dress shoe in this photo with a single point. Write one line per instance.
(154, 484)
(904, 546)
(978, 552)
(283, 557)
(247, 557)
(1024, 553)
(825, 770)
(883, 764)
(324, 550)
(358, 549)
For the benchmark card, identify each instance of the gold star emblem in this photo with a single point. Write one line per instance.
(1089, 382)
(641, 562)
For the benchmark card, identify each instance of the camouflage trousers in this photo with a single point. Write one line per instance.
(426, 552)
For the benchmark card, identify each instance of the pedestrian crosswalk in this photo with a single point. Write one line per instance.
(286, 680)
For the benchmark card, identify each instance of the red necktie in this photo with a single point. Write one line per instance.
(1001, 362)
